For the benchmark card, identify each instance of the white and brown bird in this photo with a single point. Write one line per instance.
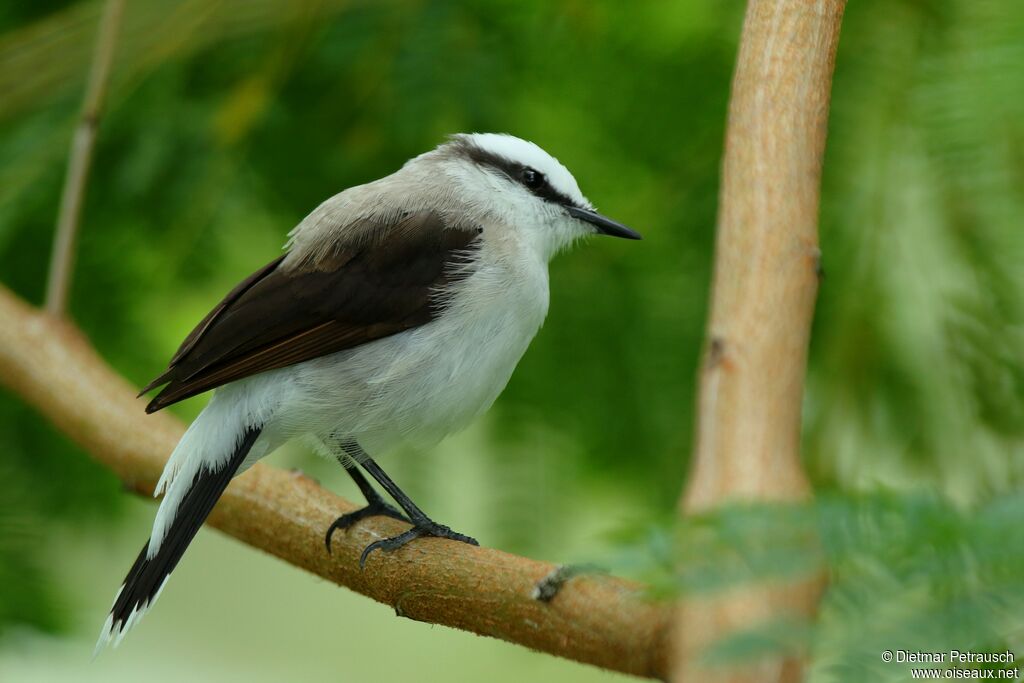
(397, 314)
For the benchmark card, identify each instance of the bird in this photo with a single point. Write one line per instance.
(396, 315)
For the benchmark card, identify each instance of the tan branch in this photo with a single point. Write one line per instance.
(80, 159)
(766, 278)
(597, 620)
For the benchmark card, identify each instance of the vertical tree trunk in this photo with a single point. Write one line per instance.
(765, 283)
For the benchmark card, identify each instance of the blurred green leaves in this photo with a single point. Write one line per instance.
(916, 369)
(910, 572)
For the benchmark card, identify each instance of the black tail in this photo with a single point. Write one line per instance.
(147, 576)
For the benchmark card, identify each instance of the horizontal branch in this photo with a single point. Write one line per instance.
(597, 620)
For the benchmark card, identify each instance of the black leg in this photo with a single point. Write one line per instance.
(370, 493)
(421, 524)
(375, 504)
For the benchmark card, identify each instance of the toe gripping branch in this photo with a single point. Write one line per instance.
(376, 508)
(422, 526)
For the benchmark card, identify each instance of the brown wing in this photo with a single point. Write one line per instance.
(281, 316)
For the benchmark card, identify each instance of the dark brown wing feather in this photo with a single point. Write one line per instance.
(279, 316)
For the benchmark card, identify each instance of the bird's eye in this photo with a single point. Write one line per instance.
(532, 179)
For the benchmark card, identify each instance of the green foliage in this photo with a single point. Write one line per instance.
(28, 597)
(916, 368)
(904, 572)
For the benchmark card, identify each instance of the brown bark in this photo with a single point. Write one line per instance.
(602, 621)
(766, 278)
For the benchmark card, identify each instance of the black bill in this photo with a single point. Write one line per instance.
(605, 226)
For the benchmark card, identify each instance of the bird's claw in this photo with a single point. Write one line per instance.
(375, 509)
(417, 531)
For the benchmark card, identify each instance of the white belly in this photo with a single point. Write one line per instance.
(421, 385)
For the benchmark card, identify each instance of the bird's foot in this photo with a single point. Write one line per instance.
(376, 508)
(419, 530)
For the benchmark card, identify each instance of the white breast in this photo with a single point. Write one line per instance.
(421, 385)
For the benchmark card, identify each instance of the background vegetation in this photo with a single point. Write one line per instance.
(228, 121)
